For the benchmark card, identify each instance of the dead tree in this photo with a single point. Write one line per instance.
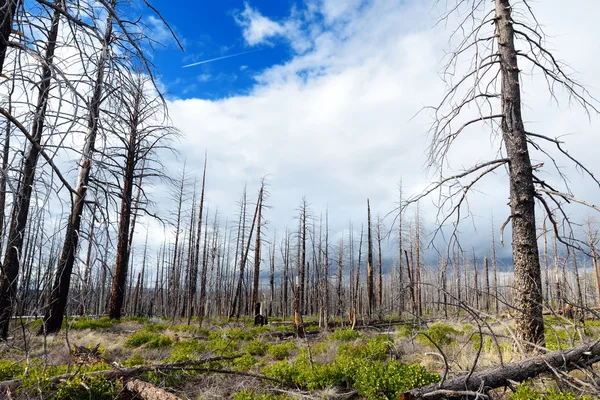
(20, 212)
(145, 134)
(370, 280)
(258, 315)
(487, 38)
(7, 14)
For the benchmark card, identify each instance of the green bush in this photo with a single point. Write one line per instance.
(488, 343)
(222, 346)
(526, 392)
(151, 340)
(244, 363)
(360, 366)
(558, 338)
(256, 348)
(186, 350)
(10, 370)
(442, 334)
(242, 334)
(97, 388)
(345, 335)
(152, 327)
(89, 323)
(281, 351)
(135, 359)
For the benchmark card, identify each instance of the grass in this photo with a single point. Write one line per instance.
(378, 366)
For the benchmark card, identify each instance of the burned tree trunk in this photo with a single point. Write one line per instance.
(7, 14)
(60, 291)
(20, 211)
(258, 317)
(370, 280)
(528, 283)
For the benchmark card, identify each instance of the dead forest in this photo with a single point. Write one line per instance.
(95, 302)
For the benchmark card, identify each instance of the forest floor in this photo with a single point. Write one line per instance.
(375, 362)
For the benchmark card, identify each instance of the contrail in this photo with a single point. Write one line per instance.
(220, 58)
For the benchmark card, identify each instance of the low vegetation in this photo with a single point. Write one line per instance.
(370, 363)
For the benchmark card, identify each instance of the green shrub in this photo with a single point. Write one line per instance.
(90, 323)
(152, 327)
(526, 392)
(222, 346)
(151, 340)
(186, 350)
(10, 370)
(240, 334)
(442, 334)
(360, 366)
(488, 343)
(244, 363)
(256, 348)
(345, 335)
(97, 388)
(558, 338)
(407, 330)
(135, 359)
(281, 351)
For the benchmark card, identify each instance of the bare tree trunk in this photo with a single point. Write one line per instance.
(370, 280)
(528, 284)
(7, 14)
(237, 299)
(487, 284)
(400, 255)
(123, 247)
(380, 286)
(255, 291)
(20, 212)
(60, 291)
(196, 257)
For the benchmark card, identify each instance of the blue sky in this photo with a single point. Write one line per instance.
(208, 30)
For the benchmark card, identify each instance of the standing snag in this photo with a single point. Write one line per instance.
(493, 43)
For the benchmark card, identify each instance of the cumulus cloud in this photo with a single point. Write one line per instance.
(336, 123)
(256, 28)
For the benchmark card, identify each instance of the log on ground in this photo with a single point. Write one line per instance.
(147, 391)
(486, 380)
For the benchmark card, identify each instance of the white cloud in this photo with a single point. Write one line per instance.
(335, 123)
(257, 29)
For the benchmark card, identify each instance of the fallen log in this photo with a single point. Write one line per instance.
(123, 373)
(147, 391)
(482, 382)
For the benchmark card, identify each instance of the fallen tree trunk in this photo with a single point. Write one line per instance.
(483, 381)
(147, 391)
(121, 372)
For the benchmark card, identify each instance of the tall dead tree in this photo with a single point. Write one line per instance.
(193, 278)
(494, 40)
(370, 279)
(258, 316)
(7, 14)
(144, 133)
(20, 212)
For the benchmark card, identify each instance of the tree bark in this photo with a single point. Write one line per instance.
(528, 286)
(486, 380)
(7, 14)
(370, 278)
(20, 211)
(60, 290)
(123, 248)
(147, 391)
